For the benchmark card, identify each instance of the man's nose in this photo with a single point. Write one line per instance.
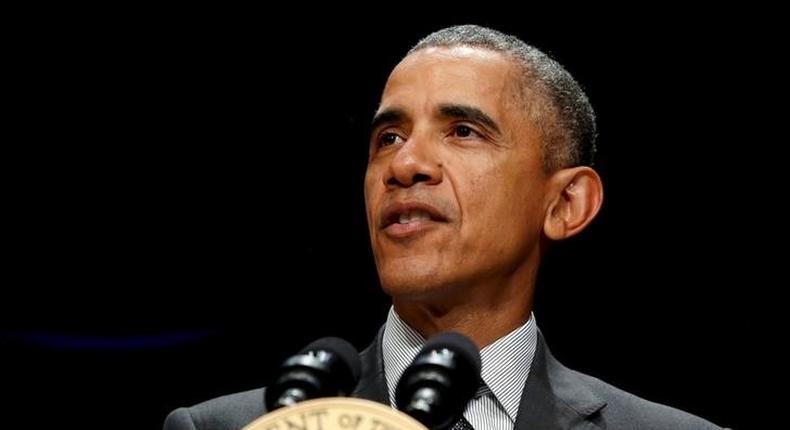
(415, 162)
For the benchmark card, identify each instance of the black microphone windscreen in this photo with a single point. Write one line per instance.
(459, 343)
(328, 367)
(345, 351)
(440, 381)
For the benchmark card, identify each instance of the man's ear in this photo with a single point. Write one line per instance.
(576, 197)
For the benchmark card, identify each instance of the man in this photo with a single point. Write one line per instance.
(479, 158)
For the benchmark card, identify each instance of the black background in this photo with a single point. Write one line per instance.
(200, 172)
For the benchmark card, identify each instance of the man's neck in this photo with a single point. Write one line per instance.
(483, 321)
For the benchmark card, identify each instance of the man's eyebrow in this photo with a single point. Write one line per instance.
(470, 113)
(389, 115)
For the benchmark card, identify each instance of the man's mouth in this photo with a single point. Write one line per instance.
(404, 219)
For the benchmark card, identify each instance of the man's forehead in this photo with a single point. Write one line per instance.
(456, 63)
(459, 75)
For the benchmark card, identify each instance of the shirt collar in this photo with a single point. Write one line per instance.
(505, 363)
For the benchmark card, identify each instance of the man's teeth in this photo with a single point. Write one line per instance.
(414, 216)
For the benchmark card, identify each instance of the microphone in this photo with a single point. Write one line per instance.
(440, 381)
(328, 367)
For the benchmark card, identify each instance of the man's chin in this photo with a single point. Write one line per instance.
(415, 288)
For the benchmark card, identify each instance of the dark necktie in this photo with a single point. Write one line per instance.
(463, 424)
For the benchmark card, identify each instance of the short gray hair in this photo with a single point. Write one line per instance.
(565, 116)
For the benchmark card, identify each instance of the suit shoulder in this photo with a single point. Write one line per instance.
(229, 412)
(625, 410)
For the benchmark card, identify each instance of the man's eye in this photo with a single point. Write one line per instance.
(463, 131)
(388, 139)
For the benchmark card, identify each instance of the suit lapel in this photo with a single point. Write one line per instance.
(372, 384)
(554, 397)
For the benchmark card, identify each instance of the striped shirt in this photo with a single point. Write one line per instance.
(505, 366)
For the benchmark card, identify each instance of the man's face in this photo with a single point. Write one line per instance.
(455, 186)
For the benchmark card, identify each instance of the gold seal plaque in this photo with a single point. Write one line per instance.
(336, 413)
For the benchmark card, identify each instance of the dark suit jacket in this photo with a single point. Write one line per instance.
(554, 397)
